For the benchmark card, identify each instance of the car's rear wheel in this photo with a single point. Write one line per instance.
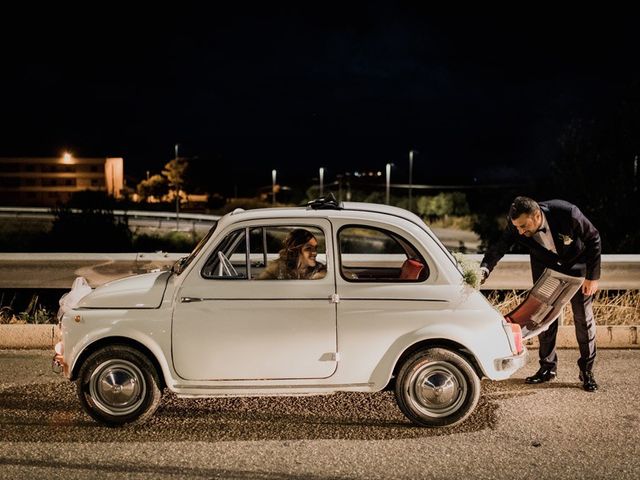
(118, 385)
(437, 387)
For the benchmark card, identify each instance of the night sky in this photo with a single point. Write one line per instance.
(347, 89)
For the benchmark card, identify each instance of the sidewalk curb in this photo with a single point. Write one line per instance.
(24, 336)
(45, 337)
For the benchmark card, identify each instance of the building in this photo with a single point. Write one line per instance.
(49, 181)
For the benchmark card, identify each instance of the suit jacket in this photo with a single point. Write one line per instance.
(576, 240)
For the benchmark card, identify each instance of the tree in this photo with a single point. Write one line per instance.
(176, 172)
(155, 186)
(595, 170)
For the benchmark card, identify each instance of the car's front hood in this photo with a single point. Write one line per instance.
(139, 291)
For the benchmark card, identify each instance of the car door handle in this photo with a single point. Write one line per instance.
(190, 299)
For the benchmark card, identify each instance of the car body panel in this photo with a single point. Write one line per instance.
(255, 329)
(294, 337)
(138, 291)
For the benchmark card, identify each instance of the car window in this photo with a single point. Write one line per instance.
(274, 253)
(220, 265)
(370, 254)
(184, 262)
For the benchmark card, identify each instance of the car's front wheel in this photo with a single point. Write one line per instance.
(118, 385)
(437, 387)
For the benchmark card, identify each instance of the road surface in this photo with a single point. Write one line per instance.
(518, 431)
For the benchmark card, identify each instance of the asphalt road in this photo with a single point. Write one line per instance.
(518, 431)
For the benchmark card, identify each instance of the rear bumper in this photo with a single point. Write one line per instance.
(505, 367)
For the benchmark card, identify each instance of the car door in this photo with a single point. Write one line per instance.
(388, 287)
(231, 324)
(544, 302)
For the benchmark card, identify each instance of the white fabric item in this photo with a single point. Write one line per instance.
(79, 289)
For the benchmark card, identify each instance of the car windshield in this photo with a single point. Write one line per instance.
(184, 262)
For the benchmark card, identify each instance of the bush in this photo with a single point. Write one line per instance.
(87, 224)
(442, 205)
(34, 313)
(245, 204)
(174, 242)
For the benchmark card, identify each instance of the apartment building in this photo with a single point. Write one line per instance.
(49, 181)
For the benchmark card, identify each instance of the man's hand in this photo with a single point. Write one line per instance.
(589, 287)
(484, 273)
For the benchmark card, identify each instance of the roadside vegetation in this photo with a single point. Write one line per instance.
(34, 313)
(610, 307)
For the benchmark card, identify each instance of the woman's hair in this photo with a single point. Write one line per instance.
(292, 246)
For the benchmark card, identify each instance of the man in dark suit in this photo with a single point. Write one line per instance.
(558, 236)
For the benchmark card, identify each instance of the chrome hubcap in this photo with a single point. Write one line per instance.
(117, 387)
(437, 389)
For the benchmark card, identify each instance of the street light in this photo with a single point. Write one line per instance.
(411, 154)
(321, 181)
(273, 186)
(177, 195)
(388, 182)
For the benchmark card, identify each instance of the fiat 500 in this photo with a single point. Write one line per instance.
(347, 297)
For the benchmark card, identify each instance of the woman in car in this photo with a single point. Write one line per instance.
(297, 260)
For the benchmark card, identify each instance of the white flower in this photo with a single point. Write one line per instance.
(566, 239)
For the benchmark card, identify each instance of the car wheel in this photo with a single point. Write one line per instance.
(118, 385)
(437, 388)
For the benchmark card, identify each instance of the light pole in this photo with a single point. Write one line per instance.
(388, 183)
(321, 181)
(177, 194)
(273, 186)
(411, 154)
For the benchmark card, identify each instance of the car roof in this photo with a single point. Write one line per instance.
(301, 212)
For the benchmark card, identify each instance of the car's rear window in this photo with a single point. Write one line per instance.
(369, 254)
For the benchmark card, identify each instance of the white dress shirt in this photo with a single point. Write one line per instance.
(545, 238)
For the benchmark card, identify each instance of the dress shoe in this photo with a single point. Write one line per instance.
(588, 381)
(541, 376)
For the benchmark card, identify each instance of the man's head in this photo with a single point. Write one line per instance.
(526, 216)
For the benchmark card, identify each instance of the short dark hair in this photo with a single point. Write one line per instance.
(523, 205)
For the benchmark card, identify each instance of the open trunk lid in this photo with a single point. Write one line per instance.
(544, 302)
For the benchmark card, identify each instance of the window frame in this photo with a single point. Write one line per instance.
(391, 234)
(234, 244)
(246, 231)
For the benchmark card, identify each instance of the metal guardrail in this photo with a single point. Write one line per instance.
(619, 272)
(135, 218)
(58, 270)
(41, 211)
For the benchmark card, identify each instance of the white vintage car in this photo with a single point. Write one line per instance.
(385, 308)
